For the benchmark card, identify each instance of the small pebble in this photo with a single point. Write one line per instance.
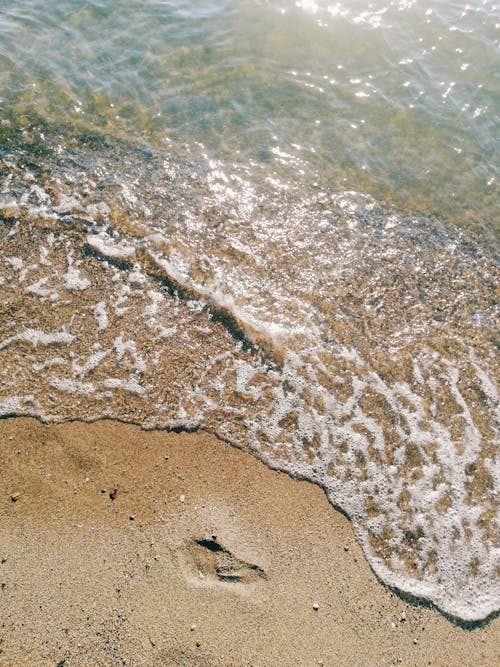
(15, 497)
(415, 641)
(346, 548)
(198, 643)
(131, 517)
(316, 606)
(193, 628)
(182, 498)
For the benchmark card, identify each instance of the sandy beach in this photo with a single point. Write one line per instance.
(125, 547)
(249, 334)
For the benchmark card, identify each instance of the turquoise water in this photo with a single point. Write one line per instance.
(276, 221)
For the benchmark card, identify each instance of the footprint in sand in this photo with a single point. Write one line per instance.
(214, 562)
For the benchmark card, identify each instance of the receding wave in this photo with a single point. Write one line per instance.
(338, 339)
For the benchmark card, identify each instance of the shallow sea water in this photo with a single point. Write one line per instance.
(277, 221)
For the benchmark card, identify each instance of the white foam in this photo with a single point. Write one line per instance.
(37, 193)
(131, 385)
(166, 332)
(123, 346)
(72, 386)
(44, 253)
(171, 270)
(68, 203)
(487, 383)
(107, 246)
(6, 183)
(101, 316)
(37, 337)
(38, 289)
(90, 363)
(156, 298)
(136, 276)
(125, 292)
(72, 277)
(18, 405)
(54, 361)
(97, 210)
(16, 262)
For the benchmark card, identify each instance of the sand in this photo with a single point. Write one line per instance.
(125, 547)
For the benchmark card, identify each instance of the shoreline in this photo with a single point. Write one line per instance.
(126, 546)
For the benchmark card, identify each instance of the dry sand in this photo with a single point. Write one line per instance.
(125, 547)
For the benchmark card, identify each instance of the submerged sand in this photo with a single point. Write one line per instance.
(125, 547)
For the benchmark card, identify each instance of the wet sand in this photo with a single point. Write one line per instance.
(125, 547)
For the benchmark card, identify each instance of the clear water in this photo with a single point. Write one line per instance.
(277, 221)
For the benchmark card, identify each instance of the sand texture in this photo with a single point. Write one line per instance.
(125, 547)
